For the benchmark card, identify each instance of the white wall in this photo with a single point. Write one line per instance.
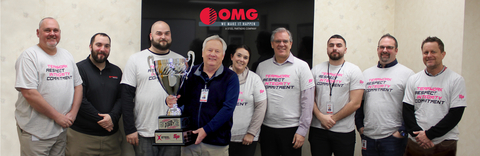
(361, 22)
(78, 20)
(469, 125)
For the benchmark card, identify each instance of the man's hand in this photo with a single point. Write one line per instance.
(397, 135)
(298, 141)
(327, 121)
(106, 122)
(133, 138)
(247, 139)
(423, 140)
(361, 130)
(171, 100)
(201, 135)
(71, 116)
(63, 121)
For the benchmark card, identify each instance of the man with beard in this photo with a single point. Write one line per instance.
(379, 119)
(50, 93)
(290, 89)
(95, 132)
(339, 90)
(139, 82)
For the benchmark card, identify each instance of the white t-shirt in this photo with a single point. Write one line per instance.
(384, 90)
(349, 78)
(250, 92)
(433, 96)
(149, 95)
(54, 77)
(284, 85)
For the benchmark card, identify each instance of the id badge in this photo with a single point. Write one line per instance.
(204, 95)
(329, 107)
(364, 144)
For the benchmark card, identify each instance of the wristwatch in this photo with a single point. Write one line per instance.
(403, 133)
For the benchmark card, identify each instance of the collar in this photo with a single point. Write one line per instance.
(157, 53)
(290, 59)
(199, 72)
(391, 64)
(242, 77)
(444, 68)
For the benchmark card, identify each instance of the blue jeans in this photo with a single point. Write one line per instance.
(389, 146)
(146, 148)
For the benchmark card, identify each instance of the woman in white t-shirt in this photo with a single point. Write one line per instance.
(251, 105)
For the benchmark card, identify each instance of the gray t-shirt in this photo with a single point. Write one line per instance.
(54, 77)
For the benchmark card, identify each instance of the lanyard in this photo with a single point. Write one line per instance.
(333, 83)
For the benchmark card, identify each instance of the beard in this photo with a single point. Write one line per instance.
(334, 57)
(160, 46)
(384, 59)
(96, 58)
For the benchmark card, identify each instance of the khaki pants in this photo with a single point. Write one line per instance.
(204, 149)
(79, 144)
(41, 147)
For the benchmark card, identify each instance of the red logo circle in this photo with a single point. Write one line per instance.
(208, 16)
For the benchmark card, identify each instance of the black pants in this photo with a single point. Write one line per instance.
(325, 142)
(278, 141)
(239, 149)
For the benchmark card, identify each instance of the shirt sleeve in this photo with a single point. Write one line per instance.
(26, 72)
(86, 108)
(128, 94)
(226, 112)
(357, 79)
(116, 112)
(307, 110)
(260, 96)
(359, 116)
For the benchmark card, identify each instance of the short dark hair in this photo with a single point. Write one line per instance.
(101, 34)
(337, 36)
(434, 39)
(389, 36)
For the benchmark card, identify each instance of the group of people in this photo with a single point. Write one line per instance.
(68, 108)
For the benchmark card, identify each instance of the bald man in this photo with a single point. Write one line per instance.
(141, 83)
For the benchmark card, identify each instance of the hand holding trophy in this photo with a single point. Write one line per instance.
(172, 128)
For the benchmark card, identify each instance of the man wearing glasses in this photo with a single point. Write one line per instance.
(379, 120)
(290, 89)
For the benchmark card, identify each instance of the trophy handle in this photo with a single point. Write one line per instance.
(191, 55)
(150, 59)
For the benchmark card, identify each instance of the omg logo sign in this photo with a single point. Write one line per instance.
(208, 16)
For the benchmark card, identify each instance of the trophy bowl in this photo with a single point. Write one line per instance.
(171, 72)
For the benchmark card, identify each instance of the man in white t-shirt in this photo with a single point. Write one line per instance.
(50, 93)
(434, 101)
(290, 89)
(143, 98)
(379, 120)
(339, 89)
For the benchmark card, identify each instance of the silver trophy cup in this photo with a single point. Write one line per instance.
(172, 130)
(172, 72)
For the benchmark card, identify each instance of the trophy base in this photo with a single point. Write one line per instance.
(174, 137)
(173, 122)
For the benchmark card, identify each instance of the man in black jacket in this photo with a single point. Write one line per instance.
(95, 132)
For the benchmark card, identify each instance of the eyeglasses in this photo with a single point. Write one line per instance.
(388, 47)
(280, 41)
